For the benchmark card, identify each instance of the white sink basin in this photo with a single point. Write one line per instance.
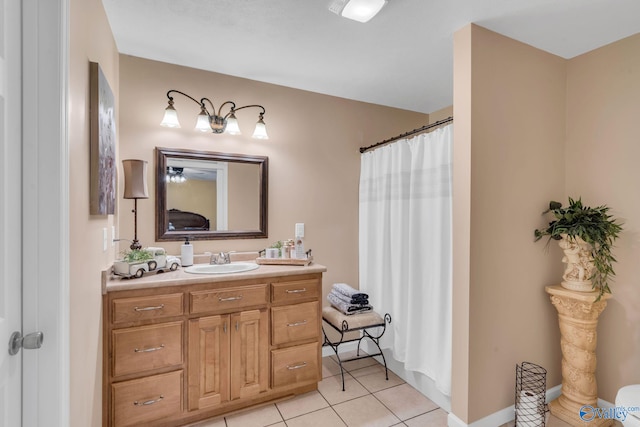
(234, 267)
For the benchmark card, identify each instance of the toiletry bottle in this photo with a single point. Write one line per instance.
(186, 253)
(299, 248)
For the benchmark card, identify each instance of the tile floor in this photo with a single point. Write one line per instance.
(368, 401)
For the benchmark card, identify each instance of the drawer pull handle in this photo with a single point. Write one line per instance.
(158, 307)
(230, 298)
(148, 350)
(303, 322)
(301, 365)
(296, 291)
(148, 402)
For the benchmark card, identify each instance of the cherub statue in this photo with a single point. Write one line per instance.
(578, 259)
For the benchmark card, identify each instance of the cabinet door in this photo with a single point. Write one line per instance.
(209, 339)
(249, 350)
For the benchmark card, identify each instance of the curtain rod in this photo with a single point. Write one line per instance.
(413, 132)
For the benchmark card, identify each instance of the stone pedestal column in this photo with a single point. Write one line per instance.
(578, 315)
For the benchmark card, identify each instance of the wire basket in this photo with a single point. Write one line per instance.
(531, 386)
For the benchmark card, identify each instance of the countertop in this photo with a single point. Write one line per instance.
(111, 283)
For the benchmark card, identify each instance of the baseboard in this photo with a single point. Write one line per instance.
(425, 386)
(502, 416)
(348, 346)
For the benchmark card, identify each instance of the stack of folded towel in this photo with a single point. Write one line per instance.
(348, 300)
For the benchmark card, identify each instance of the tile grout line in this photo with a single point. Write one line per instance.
(330, 405)
(389, 409)
(280, 412)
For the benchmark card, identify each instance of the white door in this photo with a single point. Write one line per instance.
(10, 211)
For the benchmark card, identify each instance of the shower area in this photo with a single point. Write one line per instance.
(405, 251)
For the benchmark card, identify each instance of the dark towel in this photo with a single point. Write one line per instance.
(348, 300)
(345, 307)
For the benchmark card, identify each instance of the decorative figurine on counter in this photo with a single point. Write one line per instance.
(136, 262)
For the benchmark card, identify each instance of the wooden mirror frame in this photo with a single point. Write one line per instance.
(162, 234)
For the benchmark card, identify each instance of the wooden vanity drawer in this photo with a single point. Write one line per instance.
(147, 308)
(227, 299)
(146, 347)
(292, 323)
(295, 365)
(147, 399)
(292, 292)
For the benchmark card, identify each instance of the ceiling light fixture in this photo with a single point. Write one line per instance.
(175, 175)
(212, 121)
(358, 10)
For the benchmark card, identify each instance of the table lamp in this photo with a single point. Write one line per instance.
(135, 187)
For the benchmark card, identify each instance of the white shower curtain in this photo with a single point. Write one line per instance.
(405, 248)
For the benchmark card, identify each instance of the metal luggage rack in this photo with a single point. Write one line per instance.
(344, 329)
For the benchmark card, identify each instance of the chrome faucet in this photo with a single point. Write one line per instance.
(221, 258)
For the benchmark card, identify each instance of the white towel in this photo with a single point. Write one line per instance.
(347, 290)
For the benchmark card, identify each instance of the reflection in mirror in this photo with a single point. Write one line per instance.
(206, 195)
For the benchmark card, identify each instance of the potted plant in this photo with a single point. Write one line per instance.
(586, 235)
(134, 263)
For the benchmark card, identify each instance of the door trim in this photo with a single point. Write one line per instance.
(46, 372)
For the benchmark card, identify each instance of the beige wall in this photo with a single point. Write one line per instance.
(187, 196)
(602, 152)
(531, 127)
(509, 102)
(244, 196)
(90, 40)
(441, 114)
(314, 162)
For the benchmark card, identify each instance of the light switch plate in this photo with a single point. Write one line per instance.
(300, 229)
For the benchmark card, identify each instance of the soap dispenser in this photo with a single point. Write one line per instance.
(186, 253)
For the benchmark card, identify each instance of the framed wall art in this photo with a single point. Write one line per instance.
(102, 124)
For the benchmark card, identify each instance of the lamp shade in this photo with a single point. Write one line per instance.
(232, 125)
(170, 119)
(202, 123)
(260, 132)
(135, 179)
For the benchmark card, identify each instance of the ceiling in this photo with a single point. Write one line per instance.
(402, 58)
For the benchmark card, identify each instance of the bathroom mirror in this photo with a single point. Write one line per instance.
(206, 195)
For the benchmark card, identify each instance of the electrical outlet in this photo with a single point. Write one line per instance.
(300, 229)
(104, 239)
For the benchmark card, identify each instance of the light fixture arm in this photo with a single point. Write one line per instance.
(213, 109)
(247, 106)
(184, 94)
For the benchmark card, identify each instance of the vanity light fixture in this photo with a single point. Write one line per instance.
(214, 121)
(358, 10)
(135, 187)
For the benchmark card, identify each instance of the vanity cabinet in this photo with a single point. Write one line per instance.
(227, 358)
(176, 352)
